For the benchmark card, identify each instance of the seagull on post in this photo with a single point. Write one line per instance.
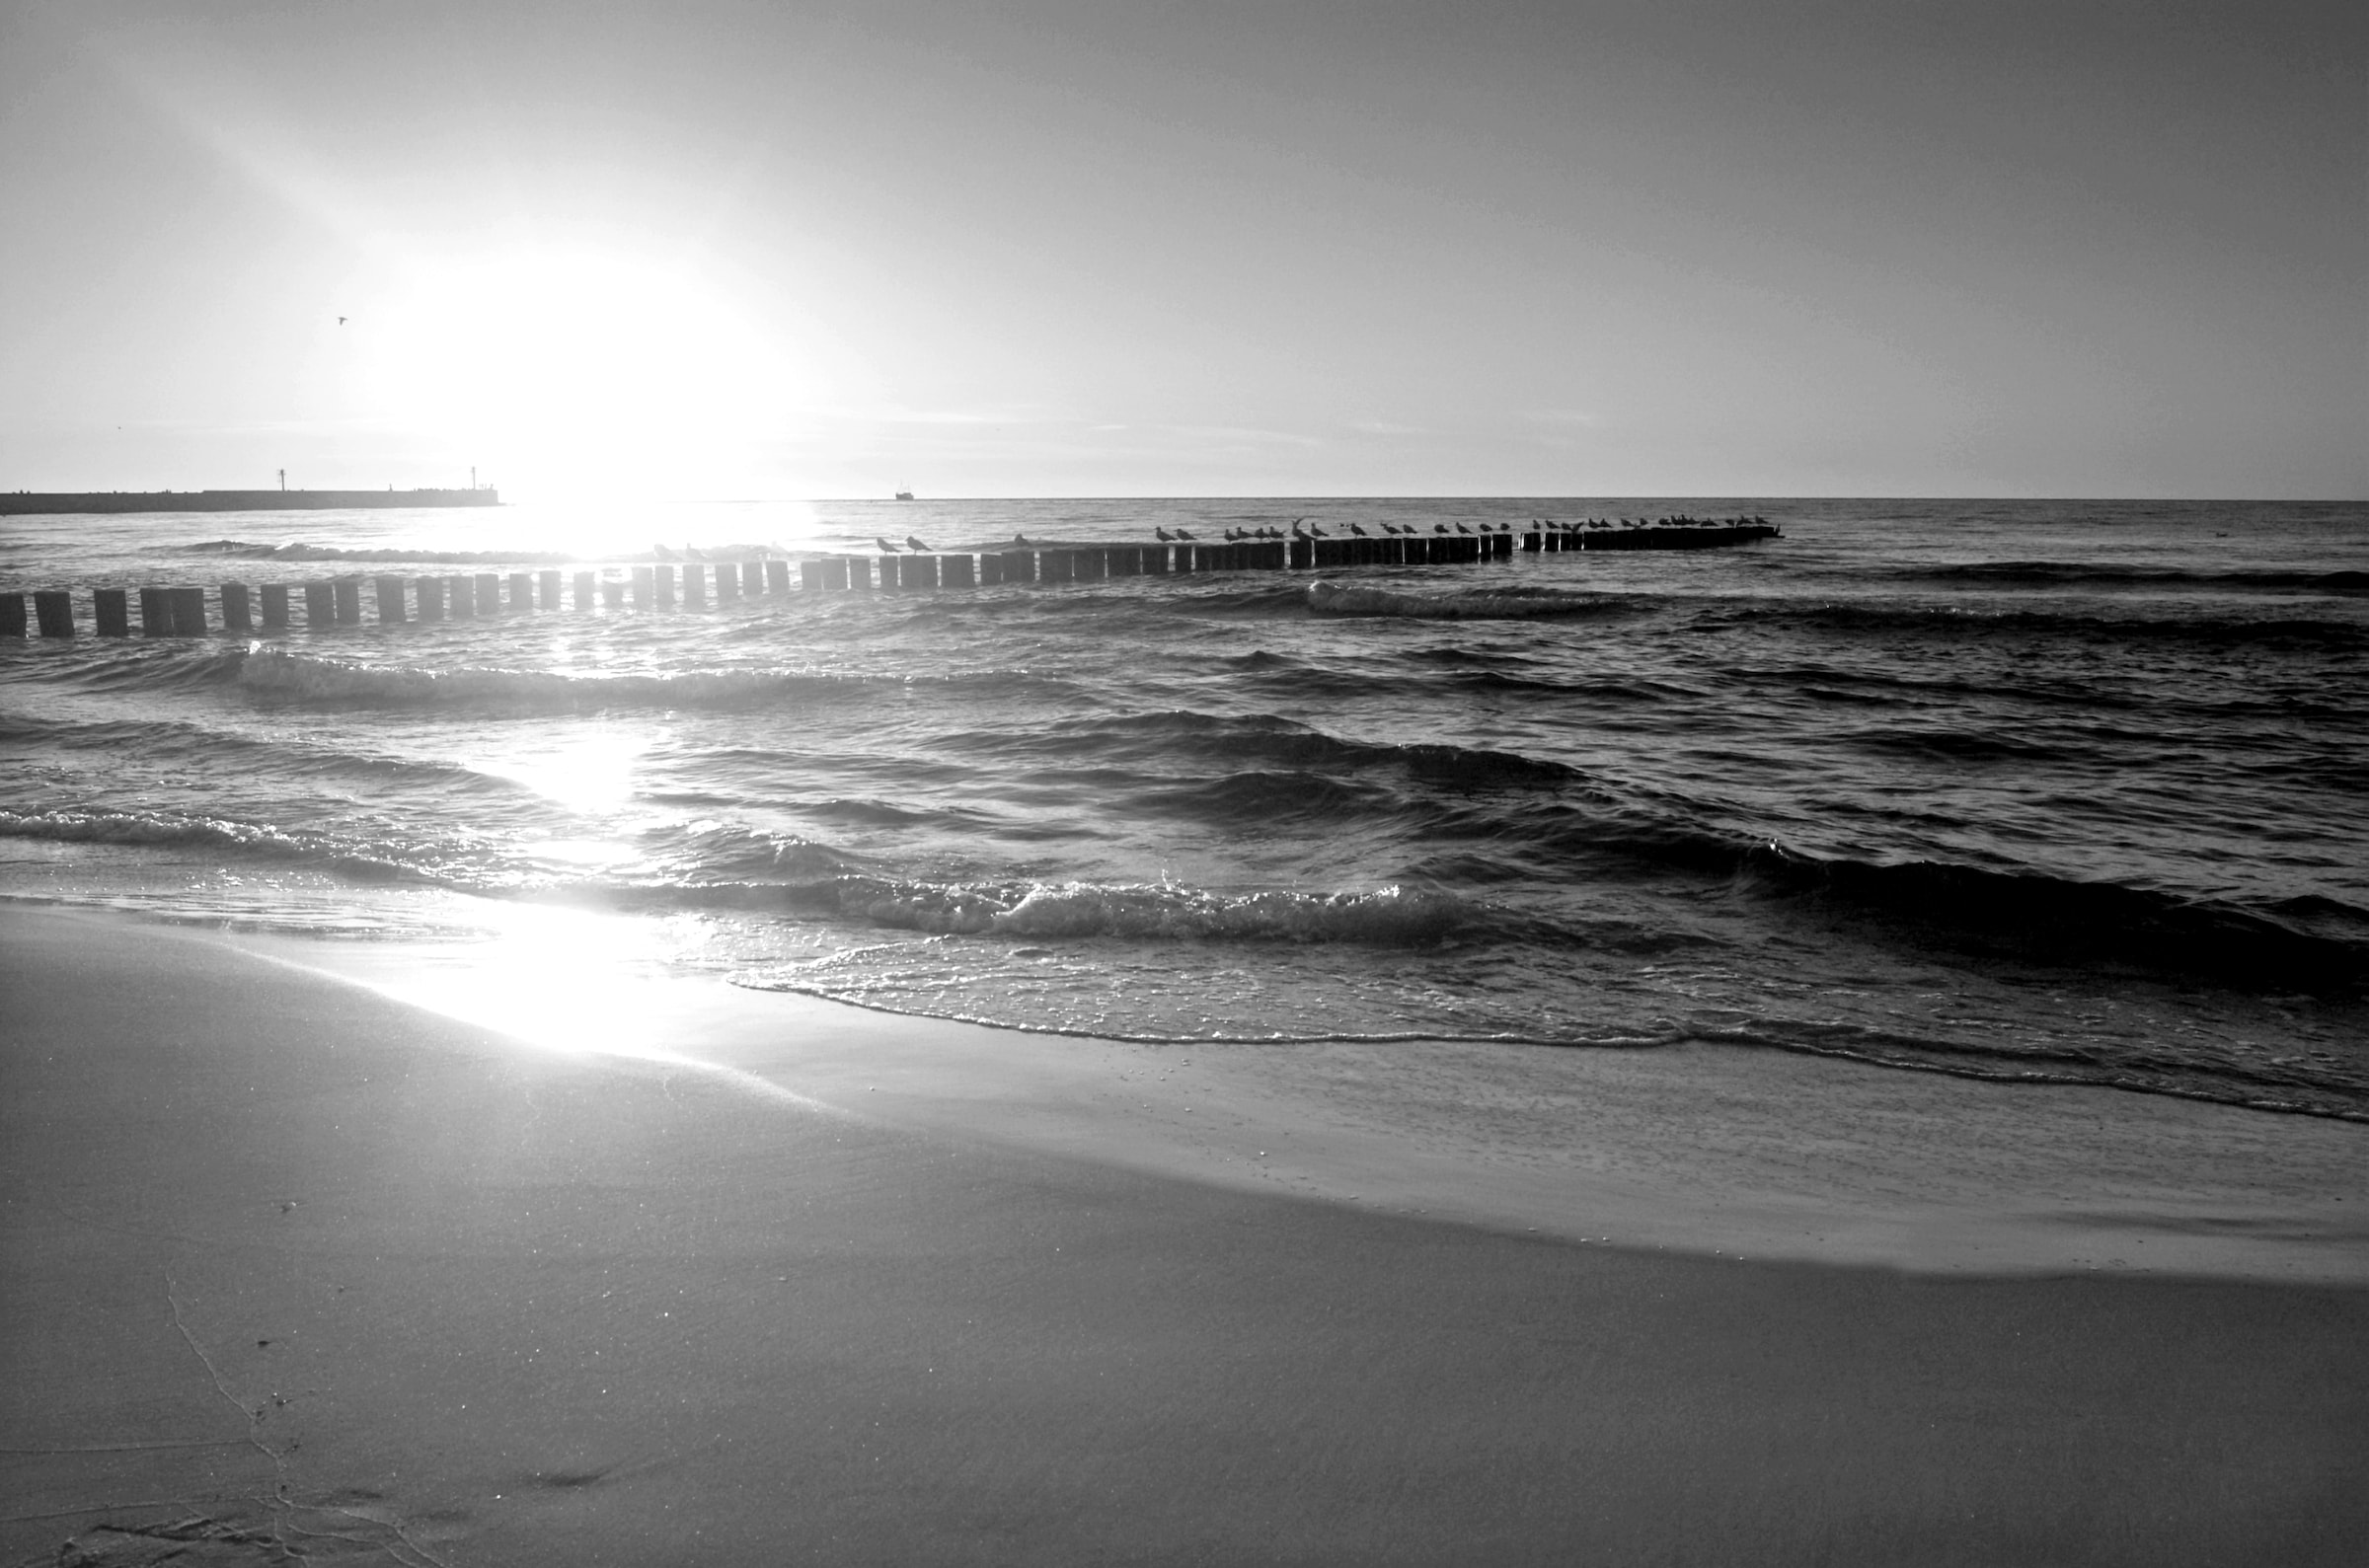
(887, 548)
(912, 543)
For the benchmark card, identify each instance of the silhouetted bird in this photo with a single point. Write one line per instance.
(340, 321)
(1164, 535)
(1019, 539)
(1439, 528)
(887, 548)
(914, 543)
(1359, 532)
(1460, 528)
(1185, 533)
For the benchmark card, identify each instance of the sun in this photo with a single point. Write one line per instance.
(590, 369)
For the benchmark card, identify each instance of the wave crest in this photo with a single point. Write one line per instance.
(1476, 604)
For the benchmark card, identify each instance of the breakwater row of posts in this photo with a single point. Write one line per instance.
(338, 601)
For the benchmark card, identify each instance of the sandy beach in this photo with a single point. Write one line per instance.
(294, 1266)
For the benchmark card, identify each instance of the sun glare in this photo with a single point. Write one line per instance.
(584, 367)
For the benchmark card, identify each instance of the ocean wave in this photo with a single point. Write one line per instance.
(337, 682)
(2055, 920)
(1266, 740)
(300, 549)
(170, 831)
(1384, 917)
(2078, 574)
(1967, 622)
(1325, 597)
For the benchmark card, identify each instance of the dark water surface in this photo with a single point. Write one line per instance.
(2067, 791)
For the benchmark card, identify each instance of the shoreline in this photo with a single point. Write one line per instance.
(1719, 1150)
(290, 1263)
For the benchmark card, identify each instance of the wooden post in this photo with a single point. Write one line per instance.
(236, 614)
(1020, 566)
(320, 606)
(547, 588)
(275, 607)
(1155, 559)
(460, 597)
(921, 571)
(489, 593)
(955, 572)
(695, 587)
(727, 581)
(522, 592)
(156, 613)
(584, 590)
(859, 572)
(666, 586)
(54, 609)
(11, 615)
(431, 599)
(834, 574)
(890, 573)
(809, 575)
(752, 578)
(1093, 565)
(389, 601)
(1303, 555)
(612, 593)
(346, 594)
(777, 576)
(646, 588)
(1056, 565)
(991, 570)
(111, 612)
(189, 612)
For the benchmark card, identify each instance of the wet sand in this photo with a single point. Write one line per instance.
(292, 1262)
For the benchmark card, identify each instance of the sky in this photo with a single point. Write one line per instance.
(1282, 248)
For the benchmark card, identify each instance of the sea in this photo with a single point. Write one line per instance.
(2058, 793)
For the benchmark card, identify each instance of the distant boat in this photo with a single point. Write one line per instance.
(904, 496)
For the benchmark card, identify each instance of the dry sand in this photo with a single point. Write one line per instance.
(295, 1264)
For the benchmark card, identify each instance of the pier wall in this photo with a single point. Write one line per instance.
(37, 503)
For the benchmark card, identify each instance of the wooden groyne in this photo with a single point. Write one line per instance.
(338, 600)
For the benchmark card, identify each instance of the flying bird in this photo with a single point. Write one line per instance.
(887, 548)
(912, 543)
